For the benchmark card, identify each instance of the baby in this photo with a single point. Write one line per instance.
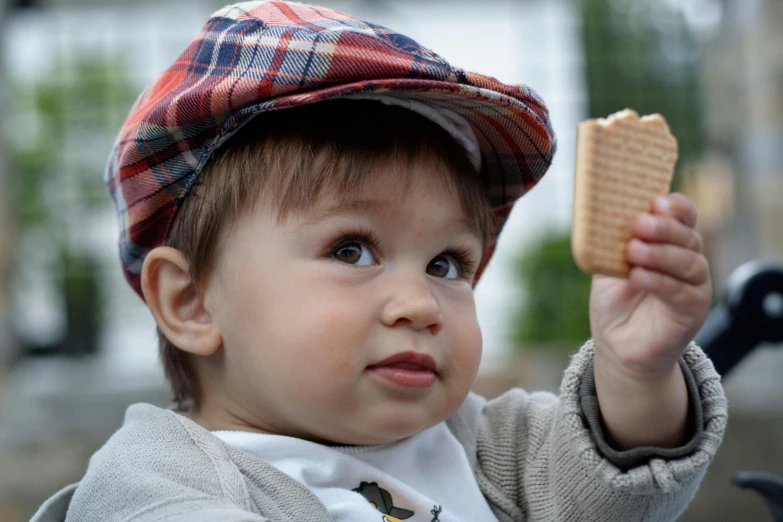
(307, 201)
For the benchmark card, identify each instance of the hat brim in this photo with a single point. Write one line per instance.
(515, 138)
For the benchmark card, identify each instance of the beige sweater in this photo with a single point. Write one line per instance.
(536, 457)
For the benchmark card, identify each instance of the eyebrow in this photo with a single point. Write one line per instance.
(353, 206)
(373, 206)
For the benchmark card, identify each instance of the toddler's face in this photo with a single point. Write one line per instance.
(329, 337)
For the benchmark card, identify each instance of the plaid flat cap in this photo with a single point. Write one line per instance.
(255, 57)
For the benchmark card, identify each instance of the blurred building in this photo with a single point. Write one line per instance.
(742, 177)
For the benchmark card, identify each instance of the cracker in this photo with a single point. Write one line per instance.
(623, 163)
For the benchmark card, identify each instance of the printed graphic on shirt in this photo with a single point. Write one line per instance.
(383, 502)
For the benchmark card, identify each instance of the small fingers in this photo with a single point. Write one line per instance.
(677, 262)
(677, 206)
(666, 288)
(667, 229)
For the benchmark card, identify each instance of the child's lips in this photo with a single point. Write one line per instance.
(409, 369)
(411, 378)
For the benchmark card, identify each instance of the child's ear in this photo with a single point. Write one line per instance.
(176, 303)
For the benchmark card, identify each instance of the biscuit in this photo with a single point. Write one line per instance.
(623, 163)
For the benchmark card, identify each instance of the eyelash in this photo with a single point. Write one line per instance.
(461, 255)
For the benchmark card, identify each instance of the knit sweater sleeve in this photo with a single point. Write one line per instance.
(537, 458)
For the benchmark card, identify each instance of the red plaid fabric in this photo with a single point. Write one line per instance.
(261, 56)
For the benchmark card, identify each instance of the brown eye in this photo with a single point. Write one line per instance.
(348, 254)
(352, 253)
(440, 268)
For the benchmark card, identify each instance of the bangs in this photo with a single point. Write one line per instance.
(290, 159)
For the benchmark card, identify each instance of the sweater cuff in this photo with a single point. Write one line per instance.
(645, 470)
(626, 459)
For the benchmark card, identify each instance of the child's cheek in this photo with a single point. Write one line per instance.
(330, 327)
(468, 347)
(463, 340)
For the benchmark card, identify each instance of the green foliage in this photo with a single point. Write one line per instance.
(556, 310)
(641, 54)
(66, 121)
(72, 113)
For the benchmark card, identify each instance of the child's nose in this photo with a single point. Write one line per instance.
(412, 302)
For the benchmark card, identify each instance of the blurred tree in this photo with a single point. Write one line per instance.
(555, 313)
(642, 54)
(65, 123)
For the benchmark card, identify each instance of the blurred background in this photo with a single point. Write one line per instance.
(77, 346)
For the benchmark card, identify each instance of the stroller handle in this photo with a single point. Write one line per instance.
(750, 314)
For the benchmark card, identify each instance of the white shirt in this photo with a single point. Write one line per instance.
(424, 478)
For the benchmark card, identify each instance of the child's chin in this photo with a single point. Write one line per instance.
(383, 433)
(394, 429)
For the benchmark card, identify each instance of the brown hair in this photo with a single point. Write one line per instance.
(291, 157)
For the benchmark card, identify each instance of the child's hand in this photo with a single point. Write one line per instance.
(641, 326)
